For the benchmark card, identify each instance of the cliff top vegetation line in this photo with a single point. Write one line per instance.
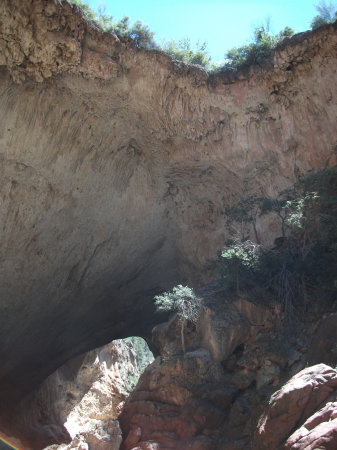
(262, 45)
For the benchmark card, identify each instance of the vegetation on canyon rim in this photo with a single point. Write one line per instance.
(302, 266)
(261, 46)
(327, 13)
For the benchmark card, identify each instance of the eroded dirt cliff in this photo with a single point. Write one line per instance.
(116, 166)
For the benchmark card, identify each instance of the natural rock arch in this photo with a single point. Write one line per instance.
(116, 165)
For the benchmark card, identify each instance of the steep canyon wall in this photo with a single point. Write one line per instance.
(116, 166)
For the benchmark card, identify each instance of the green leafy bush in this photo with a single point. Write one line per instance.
(183, 51)
(296, 209)
(144, 356)
(241, 216)
(88, 12)
(140, 33)
(239, 261)
(254, 53)
(181, 300)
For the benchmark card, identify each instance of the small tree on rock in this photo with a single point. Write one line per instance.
(183, 301)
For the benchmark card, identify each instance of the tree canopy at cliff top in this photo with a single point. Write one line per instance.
(223, 24)
(214, 31)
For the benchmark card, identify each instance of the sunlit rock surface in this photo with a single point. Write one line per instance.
(302, 414)
(81, 401)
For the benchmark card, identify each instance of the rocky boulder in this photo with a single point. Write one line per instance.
(100, 435)
(302, 414)
(172, 407)
(319, 431)
(81, 401)
(210, 397)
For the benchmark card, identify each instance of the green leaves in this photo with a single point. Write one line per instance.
(261, 47)
(246, 252)
(238, 262)
(181, 300)
(254, 53)
(140, 33)
(183, 50)
(88, 12)
(296, 209)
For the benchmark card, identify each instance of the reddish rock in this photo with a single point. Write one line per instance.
(169, 408)
(293, 404)
(221, 397)
(241, 444)
(190, 400)
(319, 431)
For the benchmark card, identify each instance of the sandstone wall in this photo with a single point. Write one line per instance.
(116, 165)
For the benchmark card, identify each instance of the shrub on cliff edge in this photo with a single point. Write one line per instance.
(327, 13)
(255, 52)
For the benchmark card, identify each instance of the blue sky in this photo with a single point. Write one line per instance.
(223, 24)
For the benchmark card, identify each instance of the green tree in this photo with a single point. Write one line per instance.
(104, 20)
(254, 53)
(122, 27)
(183, 301)
(140, 33)
(327, 13)
(142, 36)
(183, 50)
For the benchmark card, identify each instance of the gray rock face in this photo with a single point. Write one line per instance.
(116, 165)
